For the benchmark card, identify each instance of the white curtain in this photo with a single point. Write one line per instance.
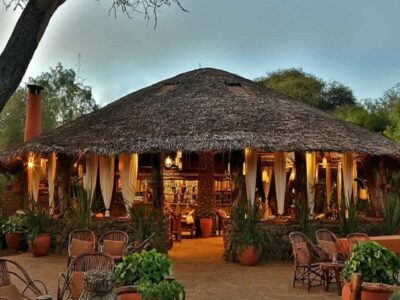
(267, 183)
(250, 158)
(280, 180)
(128, 174)
(328, 183)
(355, 185)
(51, 175)
(107, 181)
(34, 174)
(348, 176)
(311, 166)
(339, 182)
(90, 177)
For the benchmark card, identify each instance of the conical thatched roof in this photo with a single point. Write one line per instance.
(206, 109)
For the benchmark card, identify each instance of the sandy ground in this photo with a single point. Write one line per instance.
(199, 265)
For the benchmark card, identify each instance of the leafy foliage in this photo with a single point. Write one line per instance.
(80, 211)
(375, 263)
(146, 220)
(244, 229)
(37, 220)
(12, 224)
(149, 270)
(166, 290)
(391, 220)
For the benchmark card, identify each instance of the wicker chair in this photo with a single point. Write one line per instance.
(354, 238)
(81, 235)
(118, 236)
(327, 241)
(71, 284)
(36, 287)
(143, 246)
(307, 258)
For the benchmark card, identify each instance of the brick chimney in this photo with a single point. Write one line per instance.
(33, 121)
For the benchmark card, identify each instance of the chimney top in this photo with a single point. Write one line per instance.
(34, 88)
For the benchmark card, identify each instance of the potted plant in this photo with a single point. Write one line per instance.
(206, 224)
(151, 274)
(245, 237)
(376, 264)
(38, 223)
(13, 230)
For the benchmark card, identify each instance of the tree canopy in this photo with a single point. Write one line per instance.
(65, 97)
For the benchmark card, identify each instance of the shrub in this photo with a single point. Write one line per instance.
(12, 224)
(376, 263)
(37, 221)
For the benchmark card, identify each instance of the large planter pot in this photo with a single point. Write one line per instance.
(130, 296)
(205, 227)
(365, 295)
(40, 245)
(13, 239)
(249, 256)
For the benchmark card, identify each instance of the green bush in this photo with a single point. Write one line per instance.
(148, 270)
(80, 212)
(376, 264)
(13, 224)
(391, 219)
(37, 221)
(350, 222)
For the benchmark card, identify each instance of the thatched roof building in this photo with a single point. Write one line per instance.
(206, 109)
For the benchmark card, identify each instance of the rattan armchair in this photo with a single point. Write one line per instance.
(69, 284)
(35, 287)
(146, 244)
(354, 238)
(80, 235)
(327, 241)
(113, 243)
(307, 258)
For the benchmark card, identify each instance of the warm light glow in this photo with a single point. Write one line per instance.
(168, 162)
(363, 194)
(324, 162)
(179, 154)
(244, 169)
(265, 177)
(292, 174)
(31, 163)
(180, 166)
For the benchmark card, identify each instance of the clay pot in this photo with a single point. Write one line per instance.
(130, 296)
(365, 295)
(13, 239)
(249, 256)
(205, 227)
(40, 245)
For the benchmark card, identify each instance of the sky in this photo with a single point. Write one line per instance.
(355, 42)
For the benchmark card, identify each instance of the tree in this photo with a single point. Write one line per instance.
(65, 98)
(32, 24)
(391, 101)
(309, 89)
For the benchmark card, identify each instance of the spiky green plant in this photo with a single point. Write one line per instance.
(80, 210)
(349, 221)
(391, 218)
(37, 220)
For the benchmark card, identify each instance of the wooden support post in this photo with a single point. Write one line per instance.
(157, 181)
(65, 166)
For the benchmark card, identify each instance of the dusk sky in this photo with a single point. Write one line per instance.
(354, 42)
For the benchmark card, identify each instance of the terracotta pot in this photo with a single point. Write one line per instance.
(365, 295)
(249, 256)
(130, 296)
(13, 239)
(205, 227)
(40, 245)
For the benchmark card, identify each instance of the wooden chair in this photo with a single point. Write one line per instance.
(327, 241)
(354, 238)
(307, 258)
(8, 288)
(80, 241)
(132, 248)
(70, 285)
(113, 243)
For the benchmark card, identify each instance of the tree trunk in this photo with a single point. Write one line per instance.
(21, 46)
(301, 176)
(64, 166)
(156, 180)
(206, 186)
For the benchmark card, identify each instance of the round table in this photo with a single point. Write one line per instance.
(327, 269)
